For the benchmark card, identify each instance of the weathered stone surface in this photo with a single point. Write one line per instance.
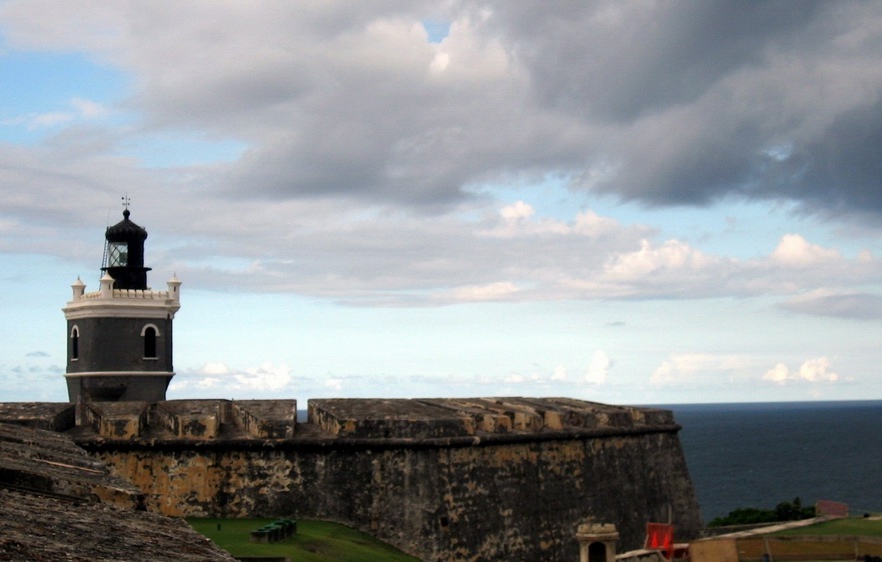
(116, 420)
(376, 418)
(172, 419)
(54, 416)
(443, 479)
(433, 477)
(51, 463)
(489, 502)
(268, 419)
(47, 529)
(59, 503)
(191, 419)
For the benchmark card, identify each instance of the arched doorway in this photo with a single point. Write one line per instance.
(597, 552)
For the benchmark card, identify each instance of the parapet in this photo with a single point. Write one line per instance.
(386, 419)
(443, 421)
(192, 420)
(110, 302)
(466, 417)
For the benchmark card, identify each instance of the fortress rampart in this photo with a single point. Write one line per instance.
(442, 479)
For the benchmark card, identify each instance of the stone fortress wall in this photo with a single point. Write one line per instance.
(442, 479)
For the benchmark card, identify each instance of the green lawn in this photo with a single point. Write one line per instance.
(315, 541)
(867, 527)
(841, 539)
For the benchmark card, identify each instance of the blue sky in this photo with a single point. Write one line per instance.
(625, 202)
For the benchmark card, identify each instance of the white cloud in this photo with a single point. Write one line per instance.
(598, 368)
(49, 119)
(517, 211)
(440, 62)
(777, 374)
(671, 256)
(334, 383)
(793, 250)
(680, 368)
(218, 377)
(81, 110)
(366, 255)
(215, 368)
(589, 223)
(517, 222)
(663, 374)
(490, 292)
(816, 370)
(88, 109)
(265, 377)
(515, 378)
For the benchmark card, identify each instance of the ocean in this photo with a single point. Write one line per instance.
(762, 454)
(758, 455)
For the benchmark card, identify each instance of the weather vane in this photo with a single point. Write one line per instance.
(126, 201)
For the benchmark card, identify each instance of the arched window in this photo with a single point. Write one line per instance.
(150, 334)
(74, 343)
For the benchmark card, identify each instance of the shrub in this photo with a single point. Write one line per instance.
(784, 511)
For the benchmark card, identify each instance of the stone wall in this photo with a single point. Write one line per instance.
(479, 479)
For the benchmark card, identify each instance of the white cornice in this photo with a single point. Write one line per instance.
(123, 303)
(121, 308)
(120, 374)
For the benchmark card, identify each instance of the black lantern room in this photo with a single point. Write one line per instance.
(124, 254)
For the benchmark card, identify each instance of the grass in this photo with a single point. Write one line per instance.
(315, 541)
(867, 527)
(822, 541)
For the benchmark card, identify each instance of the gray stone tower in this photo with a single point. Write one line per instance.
(119, 338)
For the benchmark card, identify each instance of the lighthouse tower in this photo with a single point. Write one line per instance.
(119, 338)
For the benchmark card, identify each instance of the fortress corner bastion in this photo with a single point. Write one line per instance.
(441, 479)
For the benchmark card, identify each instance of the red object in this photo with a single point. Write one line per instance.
(831, 509)
(660, 536)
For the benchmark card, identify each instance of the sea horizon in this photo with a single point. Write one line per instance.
(759, 454)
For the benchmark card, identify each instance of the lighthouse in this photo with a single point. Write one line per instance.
(119, 338)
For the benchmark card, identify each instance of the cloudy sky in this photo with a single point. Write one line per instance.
(641, 202)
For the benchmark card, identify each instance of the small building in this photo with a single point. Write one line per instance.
(597, 542)
(119, 338)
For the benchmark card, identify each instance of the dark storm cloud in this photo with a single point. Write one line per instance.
(658, 102)
(617, 61)
(664, 103)
(841, 170)
(702, 100)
